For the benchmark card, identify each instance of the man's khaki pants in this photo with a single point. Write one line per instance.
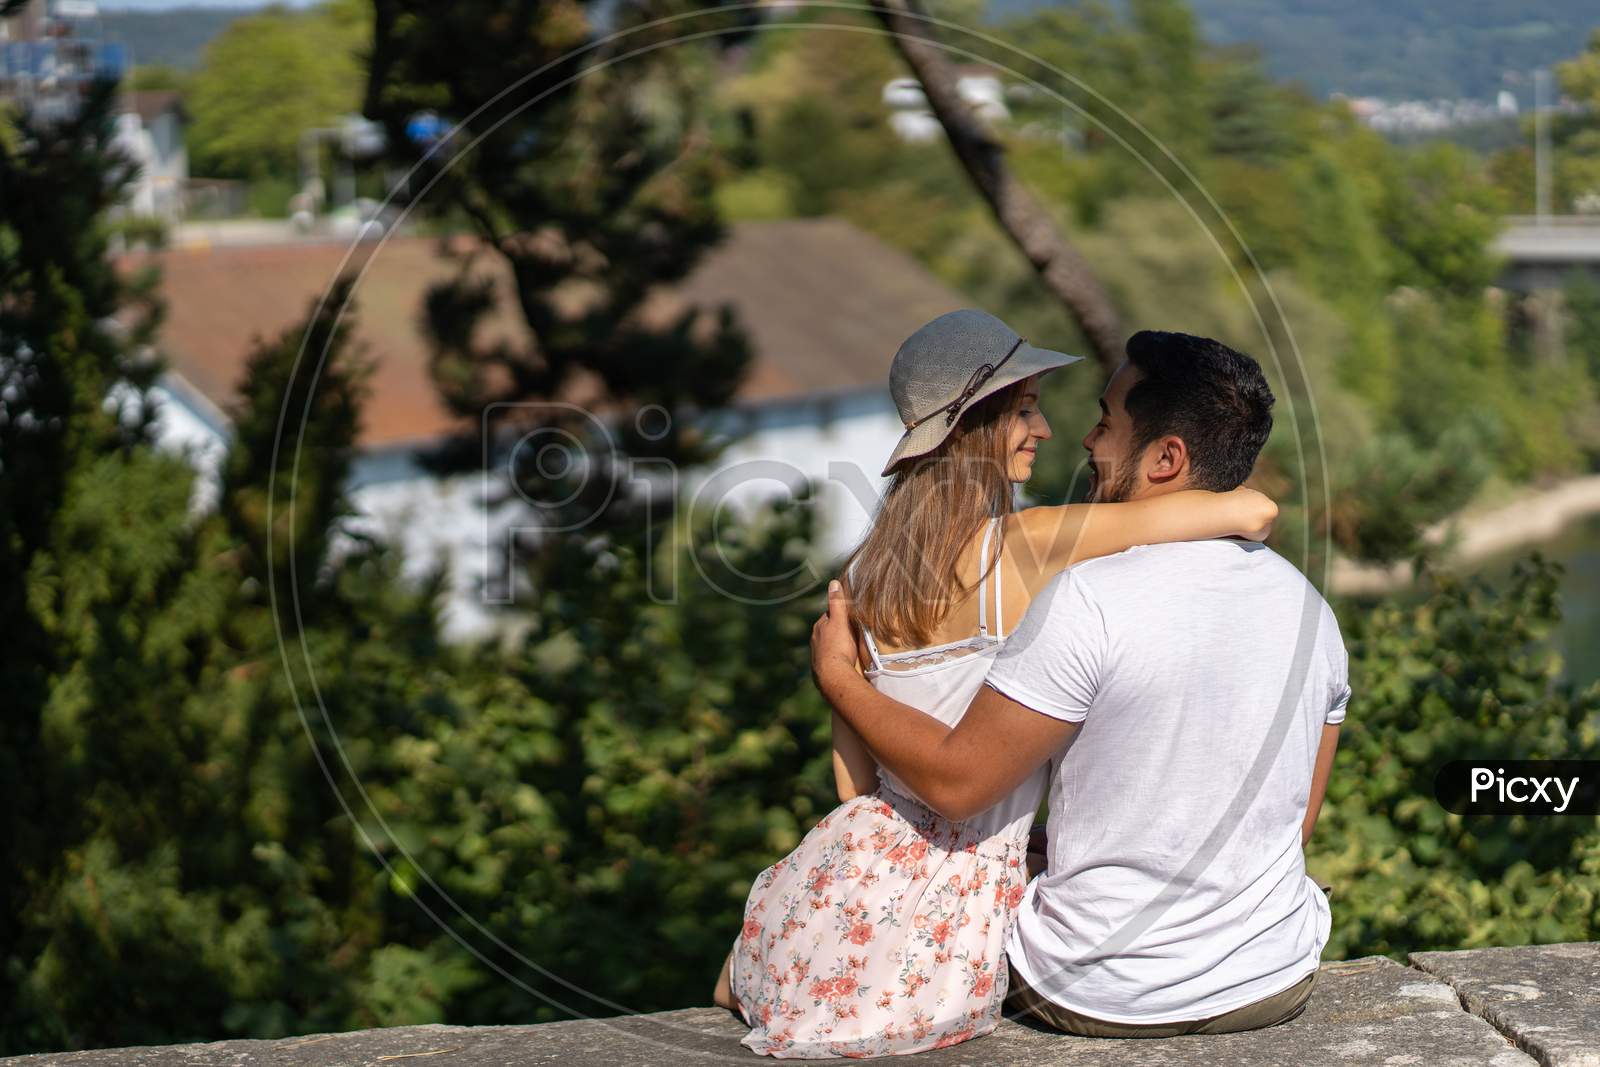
(1269, 1011)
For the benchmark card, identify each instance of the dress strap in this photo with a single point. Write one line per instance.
(872, 646)
(983, 580)
(872, 649)
(999, 583)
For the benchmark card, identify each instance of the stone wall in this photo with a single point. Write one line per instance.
(1498, 1007)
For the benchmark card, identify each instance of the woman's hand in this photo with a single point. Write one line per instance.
(1258, 512)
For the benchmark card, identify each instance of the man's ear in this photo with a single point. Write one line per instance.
(1167, 458)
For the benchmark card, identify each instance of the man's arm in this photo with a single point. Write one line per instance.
(1338, 705)
(1319, 778)
(958, 772)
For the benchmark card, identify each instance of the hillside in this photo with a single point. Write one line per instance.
(1416, 49)
(174, 37)
(1421, 48)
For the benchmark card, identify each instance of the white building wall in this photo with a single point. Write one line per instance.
(434, 521)
(912, 120)
(187, 423)
(170, 165)
(157, 190)
(838, 442)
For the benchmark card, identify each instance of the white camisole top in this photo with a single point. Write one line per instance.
(941, 680)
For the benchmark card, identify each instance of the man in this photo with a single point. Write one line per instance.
(1189, 697)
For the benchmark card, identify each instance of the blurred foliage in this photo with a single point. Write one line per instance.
(595, 803)
(1580, 77)
(169, 874)
(269, 196)
(60, 355)
(268, 77)
(1463, 671)
(1582, 293)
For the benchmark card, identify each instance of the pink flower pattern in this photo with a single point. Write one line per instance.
(882, 933)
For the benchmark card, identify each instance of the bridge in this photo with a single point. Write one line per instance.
(1541, 253)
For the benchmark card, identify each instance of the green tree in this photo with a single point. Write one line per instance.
(580, 177)
(175, 870)
(1440, 215)
(814, 96)
(269, 77)
(1575, 143)
(182, 871)
(59, 358)
(627, 770)
(1583, 321)
(1579, 77)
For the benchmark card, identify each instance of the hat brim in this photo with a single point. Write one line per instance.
(1024, 363)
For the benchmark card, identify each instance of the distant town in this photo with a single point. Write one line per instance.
(1435, 116)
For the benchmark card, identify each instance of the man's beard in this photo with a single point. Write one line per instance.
(1124, 480)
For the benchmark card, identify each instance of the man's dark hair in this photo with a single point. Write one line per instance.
(1201, 390)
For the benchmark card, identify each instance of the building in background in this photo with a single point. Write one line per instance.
(50, 52)
(824, 304)
(150, 130)
(26, 24)
(910, 118)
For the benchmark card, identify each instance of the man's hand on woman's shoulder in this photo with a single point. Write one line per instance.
(833, 645)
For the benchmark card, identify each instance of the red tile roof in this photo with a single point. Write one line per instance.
(825, 305)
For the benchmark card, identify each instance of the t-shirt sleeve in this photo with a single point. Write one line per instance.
(1340, 682)
(1052, 662)
(1336, 709)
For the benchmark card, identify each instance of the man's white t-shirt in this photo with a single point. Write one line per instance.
(1202, 673)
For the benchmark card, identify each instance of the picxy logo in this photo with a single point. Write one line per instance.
(1519, 787)
(1522, 790)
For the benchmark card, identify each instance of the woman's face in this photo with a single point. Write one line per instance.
(1028, 428)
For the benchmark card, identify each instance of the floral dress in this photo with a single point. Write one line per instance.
(884, 931)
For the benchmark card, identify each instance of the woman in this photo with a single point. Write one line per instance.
(883, 932)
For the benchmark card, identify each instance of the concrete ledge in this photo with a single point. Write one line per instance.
(1545, 998)
(1492, 1009)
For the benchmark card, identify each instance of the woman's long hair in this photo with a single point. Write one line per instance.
(906, 578)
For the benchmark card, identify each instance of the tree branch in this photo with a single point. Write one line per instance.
(1023, 218)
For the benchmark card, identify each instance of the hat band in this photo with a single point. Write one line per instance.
(952, 410)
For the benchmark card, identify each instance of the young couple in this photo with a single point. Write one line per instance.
(1173, 684)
